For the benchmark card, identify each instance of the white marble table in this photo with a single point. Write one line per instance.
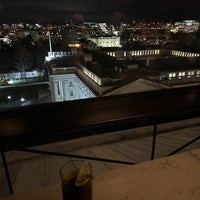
(169, 178)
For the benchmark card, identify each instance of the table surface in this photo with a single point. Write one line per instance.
(169, 178)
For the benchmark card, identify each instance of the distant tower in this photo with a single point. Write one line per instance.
(50, 46)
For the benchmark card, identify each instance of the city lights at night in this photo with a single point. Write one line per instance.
(113, 81)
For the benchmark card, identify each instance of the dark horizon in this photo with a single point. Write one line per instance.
(113, 11)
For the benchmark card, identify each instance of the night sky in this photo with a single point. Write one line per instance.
(50, 11)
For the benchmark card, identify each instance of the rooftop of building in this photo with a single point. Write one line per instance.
(173, 63)
(121, 74)
(100, 64)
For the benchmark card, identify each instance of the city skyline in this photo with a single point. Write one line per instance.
(114, 11)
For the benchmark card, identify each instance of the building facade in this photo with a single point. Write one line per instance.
(106, 41)
(66, 87)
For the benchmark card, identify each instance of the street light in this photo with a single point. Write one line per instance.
(22, 99)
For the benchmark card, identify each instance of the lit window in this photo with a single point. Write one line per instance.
(99, 81)
(190, 73)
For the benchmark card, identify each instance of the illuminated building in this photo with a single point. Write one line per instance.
(59, 54)
(186, 26)
(133, 53)
(66, 87)
(13, 78)
(106, 41)
(65, 81)
(184, 53)
(150, 52)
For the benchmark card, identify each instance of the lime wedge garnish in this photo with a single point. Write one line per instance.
(84, 174)
(68, 176)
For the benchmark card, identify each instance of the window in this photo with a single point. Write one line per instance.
(181, 74)
(172, 75)
(71, 93)
(190, 73)
(70, 83)
(58, 88)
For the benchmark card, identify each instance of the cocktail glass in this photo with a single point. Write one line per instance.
(76, 180)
